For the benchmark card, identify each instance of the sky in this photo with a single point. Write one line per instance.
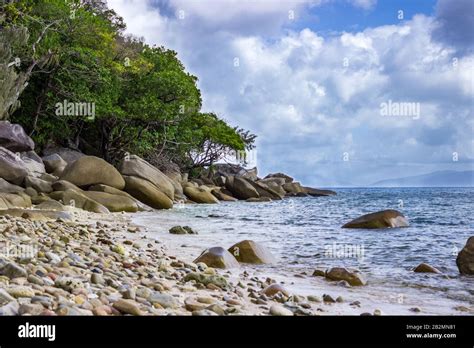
(339, 92)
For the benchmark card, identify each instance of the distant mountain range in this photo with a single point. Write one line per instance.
(440, 178)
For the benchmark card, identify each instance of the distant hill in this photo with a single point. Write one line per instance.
(439, 178)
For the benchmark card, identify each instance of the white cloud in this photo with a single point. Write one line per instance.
(307, 106)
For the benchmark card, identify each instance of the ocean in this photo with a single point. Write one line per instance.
(305, 233)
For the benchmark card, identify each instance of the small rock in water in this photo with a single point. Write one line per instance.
(274, 289)
(425, 268)
(328, 298)
(313, 298)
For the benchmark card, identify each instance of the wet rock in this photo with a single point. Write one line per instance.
(382, 219)
(425, 268)
(352, 277)
(274, 289)
(217, 257)
(90, 170)
(465, 258)
(328, 299)
(248, 251)
(182, 230)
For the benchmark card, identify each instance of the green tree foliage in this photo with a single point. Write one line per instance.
(144, 100)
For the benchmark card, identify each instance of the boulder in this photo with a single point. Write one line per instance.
(382, 219)
(354, 278)
(36, 215)
(147, 193)
(49, 177)
(115, 203)
(217, 257)
(138, 167)
(182, 230)
(63, 185)
(14, 138)
(38, 184)
(227, 169)
(34, 164)
(288, 179)
(12, 167)
(114, 191)
(14, 200)
(248, 251)
(241, 188)
(54, 164)
(465, 258)
(317, 192)
(68, 155)
(274, 289)
(79, 200)
(199, 195)
(6, 187)
(90, 170)
(222, 196)
(293, 188)
(265, 191)
(425, 268)
(51, 205)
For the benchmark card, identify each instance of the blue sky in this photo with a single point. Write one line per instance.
(310, 78)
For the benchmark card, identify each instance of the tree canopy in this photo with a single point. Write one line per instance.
(75, 53)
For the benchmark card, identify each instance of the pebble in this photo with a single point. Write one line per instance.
(128, 307)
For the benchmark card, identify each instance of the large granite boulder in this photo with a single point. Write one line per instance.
(7, 187)
(14, 138)
(382, 219)
(222, 196)
(248, 251)
(265, 191)
(114, 191)
(14, 200)
(465, 259)
(68, 155)
(354, 278)
(63, 185)
(79, 200)
(54, 164)
(199, 195)
(217, 257)
(12, 167)
(38, 184)
(90, 170)
(135, 166)
(241, 188)
(115, 203)
(287, 178)
(147, 193)
(293, 188)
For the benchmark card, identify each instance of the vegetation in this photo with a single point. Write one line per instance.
(75, 54)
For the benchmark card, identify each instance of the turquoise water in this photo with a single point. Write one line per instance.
(305, 233)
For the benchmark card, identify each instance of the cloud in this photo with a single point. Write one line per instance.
(314, 100)
(364, 4)
(456, 24)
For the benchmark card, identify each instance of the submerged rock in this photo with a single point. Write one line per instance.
(217, 257)
(465, 258)
(382, 219)
(182, 230)
(425, 268)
